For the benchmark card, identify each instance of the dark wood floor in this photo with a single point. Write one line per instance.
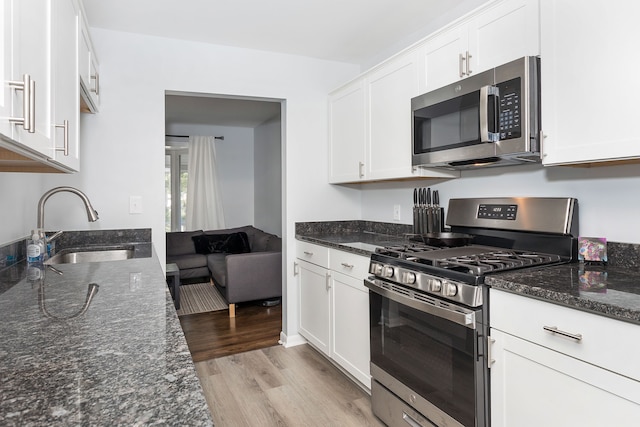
(214, 334)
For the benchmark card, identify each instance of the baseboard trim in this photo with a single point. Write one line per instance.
(291, 341)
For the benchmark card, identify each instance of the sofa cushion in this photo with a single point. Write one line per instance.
(274, 244)
(188, 261)
(218, 268)
(234, 243)
(180, 243)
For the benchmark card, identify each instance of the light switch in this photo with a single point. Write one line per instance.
(135, 204)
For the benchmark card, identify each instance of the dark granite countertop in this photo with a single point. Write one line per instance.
(124, 361)
(358, 237)
(613, 291)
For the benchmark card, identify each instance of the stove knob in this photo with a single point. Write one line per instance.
(387, 271)
(375, 269)
(435, 285)
(409, 278)
(449, 289)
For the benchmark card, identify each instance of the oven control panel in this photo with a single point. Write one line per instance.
(451, 290)
(504, 212)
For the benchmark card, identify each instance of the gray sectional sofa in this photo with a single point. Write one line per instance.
(245, 263)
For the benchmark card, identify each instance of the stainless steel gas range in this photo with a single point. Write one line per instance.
(429, 318)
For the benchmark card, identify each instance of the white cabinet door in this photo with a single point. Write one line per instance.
(32, 55)
(444, 58)
(347, 133)
(504, 31)
(314, 288)
(350, 346)
(534, 386)
(389, 107)
(6, 40)
(66, 92)
(88, 70)
(589, 91)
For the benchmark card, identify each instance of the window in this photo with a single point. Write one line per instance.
(176, 177)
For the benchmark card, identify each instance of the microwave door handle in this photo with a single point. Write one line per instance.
(485, 134)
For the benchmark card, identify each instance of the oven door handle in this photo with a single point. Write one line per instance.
(462, 316)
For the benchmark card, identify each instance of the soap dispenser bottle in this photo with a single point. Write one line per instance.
(35, 247)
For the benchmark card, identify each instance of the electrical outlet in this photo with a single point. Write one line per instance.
(396, 212)
(135, 204)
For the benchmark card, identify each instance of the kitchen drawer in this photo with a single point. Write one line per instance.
(348, 263)
(315, 254)
(605, 342)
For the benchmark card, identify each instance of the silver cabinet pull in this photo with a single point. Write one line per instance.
(461, 59)
(296, 268)
(65, 147)
(96, 88)
(469, 64)
(28, 88)
(308, 253)
(360, 169)
(345, 265)
(555, 330)
(328, 281)
(490, 359)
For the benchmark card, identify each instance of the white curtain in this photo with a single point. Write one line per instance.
(204, 202)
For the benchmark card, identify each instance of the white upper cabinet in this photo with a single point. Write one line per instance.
(347, 133)
(26, 60)
(89, 71)
(390, 91)
(66, 89)
(589, 90)
(370, 125)
(504, 31)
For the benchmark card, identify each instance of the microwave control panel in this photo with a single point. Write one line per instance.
(510, 124)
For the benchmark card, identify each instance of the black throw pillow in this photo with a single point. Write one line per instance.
(209, 243)
(237, 243)
(234, 243)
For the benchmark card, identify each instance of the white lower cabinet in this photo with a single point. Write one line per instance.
(350, 344)
(543, 378)
(334, 306)
(315, 305)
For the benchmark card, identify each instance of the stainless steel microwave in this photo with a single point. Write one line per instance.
(490, 119)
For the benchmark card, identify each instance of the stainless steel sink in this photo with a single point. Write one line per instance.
(93, 254)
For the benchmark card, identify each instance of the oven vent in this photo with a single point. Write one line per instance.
(426, 298)
(397, 289)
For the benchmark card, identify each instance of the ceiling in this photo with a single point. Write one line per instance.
(353, 31)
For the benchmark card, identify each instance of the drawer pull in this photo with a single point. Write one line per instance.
(345, 265)
(308, 253)
(555, 330)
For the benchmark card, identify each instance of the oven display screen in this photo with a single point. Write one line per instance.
(507, 212)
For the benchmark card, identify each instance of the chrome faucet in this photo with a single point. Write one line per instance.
(92, 215)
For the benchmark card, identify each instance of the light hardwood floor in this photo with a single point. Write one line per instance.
(279, 386)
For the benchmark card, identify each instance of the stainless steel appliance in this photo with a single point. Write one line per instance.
(429, 307)
(490, 119)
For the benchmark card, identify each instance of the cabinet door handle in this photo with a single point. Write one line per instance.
(490, 359)
(345, 265)
(555, 330)
(461, 60)
(65, 147)
(469, 64)
(328, 281)
(28, 88)
(296, 268)
(96, 89)
(360, 169)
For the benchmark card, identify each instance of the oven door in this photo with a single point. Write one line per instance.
(429, 354)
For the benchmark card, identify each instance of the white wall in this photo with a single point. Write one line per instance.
(234, 156)
(609, 205)
(19, 195)
(123, 150)
(268, 177)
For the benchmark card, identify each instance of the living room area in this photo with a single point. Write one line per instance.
(226, 247)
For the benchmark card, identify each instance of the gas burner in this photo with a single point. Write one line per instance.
(407, 251)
